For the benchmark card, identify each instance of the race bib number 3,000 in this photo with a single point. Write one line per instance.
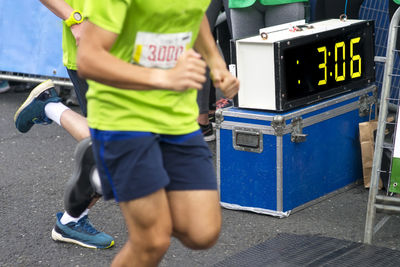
(159, 50)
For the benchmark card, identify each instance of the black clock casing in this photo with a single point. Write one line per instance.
(322, 65)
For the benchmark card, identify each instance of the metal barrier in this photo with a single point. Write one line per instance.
(21, 77)
(378, 11)
(380, 203)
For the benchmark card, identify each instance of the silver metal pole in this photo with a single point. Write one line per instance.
(34, 79)
(279, 173)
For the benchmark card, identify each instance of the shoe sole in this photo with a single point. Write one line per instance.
(58, 237)
(79, 191)
(34, 94)
(5, 89)
(209, 138)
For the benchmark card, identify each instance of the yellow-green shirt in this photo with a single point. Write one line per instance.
(68, 40)
(151, 33)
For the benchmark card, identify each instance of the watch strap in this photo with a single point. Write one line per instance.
(71, 20)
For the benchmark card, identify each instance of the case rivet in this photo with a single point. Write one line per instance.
(264, 35)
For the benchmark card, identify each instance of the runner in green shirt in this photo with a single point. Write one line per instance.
(152, 158)
(44, 106)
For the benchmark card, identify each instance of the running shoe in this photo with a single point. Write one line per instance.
(81, 233)
(208, 132)
(224, 103)
(4, 86)
(80, 190)
(32, 110)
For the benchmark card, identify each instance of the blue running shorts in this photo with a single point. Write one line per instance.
(135, 164)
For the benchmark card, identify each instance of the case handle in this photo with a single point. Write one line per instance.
(247, 139)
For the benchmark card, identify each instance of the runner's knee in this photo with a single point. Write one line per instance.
(202, 238)
(153, 247)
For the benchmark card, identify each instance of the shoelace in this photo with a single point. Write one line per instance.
(85, 224)
(45, 95)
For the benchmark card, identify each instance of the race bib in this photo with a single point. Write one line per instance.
(159, 50)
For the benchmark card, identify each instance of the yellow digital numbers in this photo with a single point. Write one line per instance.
(323, 65)
(340, 55)
(354, 58)
(341, 77)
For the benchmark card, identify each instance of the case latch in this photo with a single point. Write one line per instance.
(366, 103)
(297, 135)
(247, 139)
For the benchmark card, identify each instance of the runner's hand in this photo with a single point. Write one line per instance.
(225, 81)
(189, 72)
(76, 30)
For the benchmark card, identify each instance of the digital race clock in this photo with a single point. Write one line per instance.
(293, 65)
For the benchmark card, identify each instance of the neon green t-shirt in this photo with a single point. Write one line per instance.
(247, 3)
(151, 33)
(68, 40)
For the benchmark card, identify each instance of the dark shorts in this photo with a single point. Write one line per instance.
(135, 164)
(80, 87)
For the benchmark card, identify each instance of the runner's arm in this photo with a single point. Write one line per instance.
(61, 9)
(221, 77)
(95, 62)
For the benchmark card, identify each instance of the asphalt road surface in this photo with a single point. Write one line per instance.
(35, 166)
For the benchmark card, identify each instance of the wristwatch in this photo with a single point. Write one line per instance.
(75, 18)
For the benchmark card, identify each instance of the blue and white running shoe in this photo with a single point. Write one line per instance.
(32, 110)
(81, 233)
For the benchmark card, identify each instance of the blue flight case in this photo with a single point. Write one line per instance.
(275, 163)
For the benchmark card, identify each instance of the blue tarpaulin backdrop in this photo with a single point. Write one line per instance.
(30, 39)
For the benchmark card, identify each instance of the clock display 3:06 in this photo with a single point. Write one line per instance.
(340, 59)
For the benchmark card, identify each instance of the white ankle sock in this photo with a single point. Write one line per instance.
(66, 218)
(54, 110)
